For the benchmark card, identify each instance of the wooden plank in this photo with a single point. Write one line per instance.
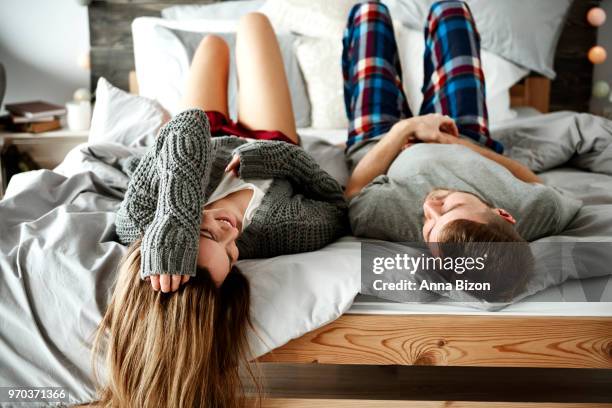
(114, 64)
(538, 93)
(399, 383)
(110, 22)
(110, 33)
(336, 403)
(110, 25)
(485, 341)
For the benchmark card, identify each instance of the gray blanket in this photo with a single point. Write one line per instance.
(58, 252)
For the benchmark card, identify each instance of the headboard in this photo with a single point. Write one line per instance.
(112, 53)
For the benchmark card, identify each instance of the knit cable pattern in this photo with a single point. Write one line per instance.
(183, 163)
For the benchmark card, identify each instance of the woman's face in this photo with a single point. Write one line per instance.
(218, 251)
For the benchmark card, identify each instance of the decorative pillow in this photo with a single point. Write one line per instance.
(226, 10)
(163, 50)
(499, 109)
(525, 32)
(319, 59)
(313, 18)
(123, 118)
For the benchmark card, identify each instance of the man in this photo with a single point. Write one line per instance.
(438, 177)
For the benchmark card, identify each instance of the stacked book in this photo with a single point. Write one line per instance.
(34, 117)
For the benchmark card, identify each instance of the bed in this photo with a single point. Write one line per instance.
(59, 252)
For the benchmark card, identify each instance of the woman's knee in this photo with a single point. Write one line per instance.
(213, 44)
(254, 21)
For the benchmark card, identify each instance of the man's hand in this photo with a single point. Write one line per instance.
(432, 128)
(167, 283)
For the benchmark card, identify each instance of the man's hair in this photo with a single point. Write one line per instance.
(509, 261)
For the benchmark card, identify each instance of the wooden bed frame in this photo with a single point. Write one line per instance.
(455, 340)
(437, 340)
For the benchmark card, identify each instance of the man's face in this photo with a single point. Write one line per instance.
(443, 206)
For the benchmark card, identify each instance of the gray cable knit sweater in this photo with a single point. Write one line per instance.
(303, 210)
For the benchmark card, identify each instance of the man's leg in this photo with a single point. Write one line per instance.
(454, 82)
(373, 95)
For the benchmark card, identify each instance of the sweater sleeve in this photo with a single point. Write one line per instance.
(138, 206)
(277, 159)
(293, 224)
(183, 161)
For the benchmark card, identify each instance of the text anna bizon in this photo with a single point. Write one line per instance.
(406, 285)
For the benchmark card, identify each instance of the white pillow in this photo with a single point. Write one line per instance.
(224, 10)
(499, 109)
(525, 32)
(313, 18)
(320, 61)
(162, 62)
(120, 117)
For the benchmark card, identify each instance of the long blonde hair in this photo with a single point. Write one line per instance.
(181, 349)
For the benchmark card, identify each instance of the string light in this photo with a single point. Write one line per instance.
(601, 89)
(598, 54)
(596, 16)
(83, 61)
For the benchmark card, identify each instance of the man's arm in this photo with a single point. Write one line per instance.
(376, 162)
(433, 128)
(520, 171)
(426, 128)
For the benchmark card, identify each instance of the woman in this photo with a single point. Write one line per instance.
(194, 206)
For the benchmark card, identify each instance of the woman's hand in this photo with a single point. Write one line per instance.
(234, 165)
(167, 283)
(432, 128)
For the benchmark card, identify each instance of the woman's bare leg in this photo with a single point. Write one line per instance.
(264, 100)
(208, 75)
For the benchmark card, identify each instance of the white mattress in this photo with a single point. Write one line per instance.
(371, 305)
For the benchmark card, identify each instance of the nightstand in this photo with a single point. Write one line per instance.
(48, 149)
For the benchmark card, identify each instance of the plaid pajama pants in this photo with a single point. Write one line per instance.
(454, 83)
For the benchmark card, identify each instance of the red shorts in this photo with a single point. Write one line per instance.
(222, 126)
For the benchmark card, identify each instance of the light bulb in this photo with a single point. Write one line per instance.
(601, 89)
(596, 16)
(83, 61)
(598, 54)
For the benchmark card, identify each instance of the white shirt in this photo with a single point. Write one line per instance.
(230, 184)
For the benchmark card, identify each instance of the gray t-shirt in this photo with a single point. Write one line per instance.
(391, 206)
